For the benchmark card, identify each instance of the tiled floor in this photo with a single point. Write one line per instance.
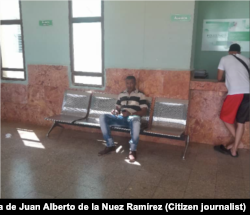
(66, 165)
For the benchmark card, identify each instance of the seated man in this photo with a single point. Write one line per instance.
(130, 107)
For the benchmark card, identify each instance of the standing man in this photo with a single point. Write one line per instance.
(130, 107)
(235, 109)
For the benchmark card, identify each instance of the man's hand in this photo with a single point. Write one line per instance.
(142, 112)
(125, 113)
(115, 112)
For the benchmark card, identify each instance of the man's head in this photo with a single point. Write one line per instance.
(130, 83)
(234, 49)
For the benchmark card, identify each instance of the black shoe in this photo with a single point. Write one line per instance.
(222, 149)
(106, 150)
(132, 156)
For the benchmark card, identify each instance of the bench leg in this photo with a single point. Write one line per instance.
(59, 125)
(186, 142)
(52, 127)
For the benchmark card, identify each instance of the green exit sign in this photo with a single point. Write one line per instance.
(45, 22)
(180, 18)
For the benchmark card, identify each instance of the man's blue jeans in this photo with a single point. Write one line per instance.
(132, 122)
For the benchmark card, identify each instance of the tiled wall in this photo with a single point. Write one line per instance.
(154, 83)
(43, 96)
(205, 126)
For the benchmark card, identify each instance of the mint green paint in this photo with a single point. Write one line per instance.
(167, 44)
(137, 35)
(45, 22)
(194, 34)
(124, 29)
(180, 18)
(45, 45)
(209, 60)
(141, 35)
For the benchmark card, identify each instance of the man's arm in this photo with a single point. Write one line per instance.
(221, 70)
(220, 75)
(117, 109)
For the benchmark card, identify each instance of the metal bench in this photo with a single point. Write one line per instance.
(75, 106)
(84, 109)
(169, 120)
(100, 104)
(103, 104)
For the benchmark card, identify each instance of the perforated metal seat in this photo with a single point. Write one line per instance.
(100, 104)
(169, 119)
(74, 107)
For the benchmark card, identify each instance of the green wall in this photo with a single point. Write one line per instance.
(45, 45)
(142, 35)
(138, 34)
(50, 44)
(194, 35)
(209, 60)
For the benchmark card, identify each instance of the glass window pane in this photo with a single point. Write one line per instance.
(88, 80)
(86, 8)
(13, 74)
(87, 42)
(9, 10)
(11, 46)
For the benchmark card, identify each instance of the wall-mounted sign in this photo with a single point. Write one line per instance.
(45, 22)
(180, 18)
(219, 34)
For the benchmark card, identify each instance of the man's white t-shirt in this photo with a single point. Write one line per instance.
(237, 77)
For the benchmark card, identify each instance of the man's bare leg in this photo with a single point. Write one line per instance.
(232, 128)
(238, 136)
